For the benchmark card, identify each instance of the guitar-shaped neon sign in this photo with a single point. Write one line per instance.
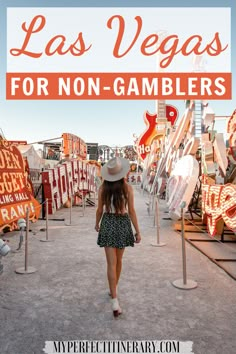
(166, 113)
(156, 123)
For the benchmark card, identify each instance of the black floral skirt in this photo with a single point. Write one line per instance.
(115, 231)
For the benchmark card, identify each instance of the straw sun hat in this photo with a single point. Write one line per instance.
(115, 169)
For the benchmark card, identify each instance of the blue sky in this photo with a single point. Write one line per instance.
(104, 122)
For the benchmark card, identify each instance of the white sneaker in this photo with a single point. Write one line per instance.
(116, 307)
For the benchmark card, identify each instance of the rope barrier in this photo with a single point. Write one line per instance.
(44, 202)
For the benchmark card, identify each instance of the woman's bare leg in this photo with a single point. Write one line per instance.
(111, 257)
(119, 255)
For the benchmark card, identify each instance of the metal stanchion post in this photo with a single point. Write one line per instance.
(152, 197)
(148, 208)
(143, 189)
(71, 206)
(149, 205)
(26, 269)
(184, 283)
(156, 216)
(47, 238)
(70, 210)
(47, 219)
(83, 203)
(1, 266)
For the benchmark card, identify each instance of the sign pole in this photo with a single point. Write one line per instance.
(47, 228)
(26, 269)
(184, 283)
(156, 217)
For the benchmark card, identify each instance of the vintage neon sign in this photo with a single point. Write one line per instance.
(73, 146)
(66, 180)
(156, 127)
(219, 202)
(16, 195)
(145, 140)
(181, 184)
(231, 129)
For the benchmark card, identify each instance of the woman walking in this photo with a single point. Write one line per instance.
(116, 212)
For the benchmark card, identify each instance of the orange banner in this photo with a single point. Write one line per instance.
(15, 191)
(118, 86)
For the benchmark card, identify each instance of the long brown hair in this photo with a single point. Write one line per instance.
(117, 192)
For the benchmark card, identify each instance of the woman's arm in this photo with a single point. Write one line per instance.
(99, 210)
(132, 213)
